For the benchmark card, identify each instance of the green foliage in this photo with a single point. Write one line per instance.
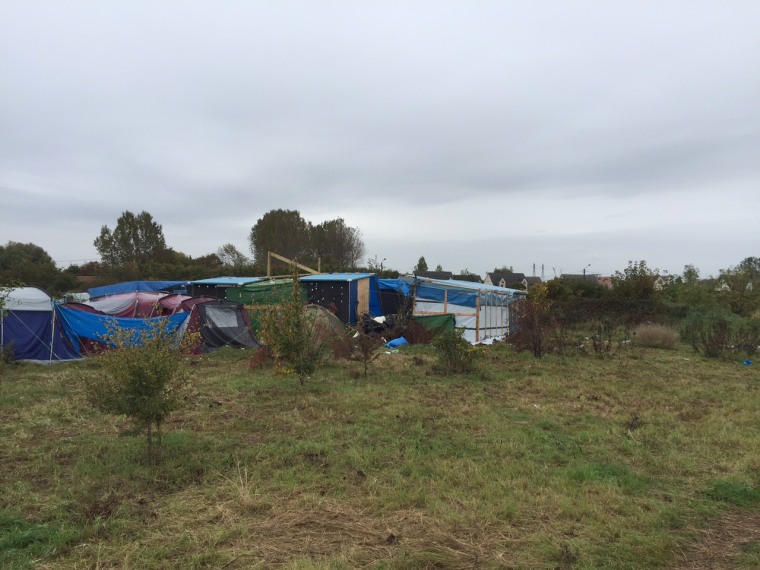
(23, 540)
(136, 239)
(29, 263)
(282, 231)
(455, 355)
(719, 333)
(637, 281)
(365, 349)
(295, 336)
(143, 377)
(534, 320)
(232, 259)
(287, 233)
(421, 265)
(339, 246)
(734, 492)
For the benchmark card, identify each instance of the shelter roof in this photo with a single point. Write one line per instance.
(336, 277)
(28, 299)
(135, 286)
(451, 283)
(434, 274)
(227, 281)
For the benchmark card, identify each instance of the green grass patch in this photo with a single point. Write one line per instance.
(559, 462)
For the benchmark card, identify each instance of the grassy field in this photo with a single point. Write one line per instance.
(647, 459)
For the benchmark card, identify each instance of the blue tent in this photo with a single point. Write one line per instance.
(136, 287)
(29, 327)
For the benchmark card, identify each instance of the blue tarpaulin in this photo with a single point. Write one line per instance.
(81, 325)
(135, 287)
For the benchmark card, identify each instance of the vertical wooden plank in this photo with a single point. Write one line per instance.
(477, 320)
(363, 297)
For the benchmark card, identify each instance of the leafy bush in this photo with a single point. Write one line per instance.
(721, 334)
(143, 377)
(295, 336)
(656, 336)
(455, 355)
(534, 320)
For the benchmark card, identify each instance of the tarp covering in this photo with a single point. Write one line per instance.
(481, 310)
(261, 293)
(28, 327)
(79, 325)
(436, 324)
(135, 286)
(400, 285)
(260, 296)
(130, 305)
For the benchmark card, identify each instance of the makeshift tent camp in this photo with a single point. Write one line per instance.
(88, 331)
(326, 320)
(130, 305)
(137, 286)
(29, 328)
(348, 295)
(217, 286)
(222, 324)
(481, 310)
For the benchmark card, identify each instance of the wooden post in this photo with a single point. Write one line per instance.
(269, 264)
(477, 320)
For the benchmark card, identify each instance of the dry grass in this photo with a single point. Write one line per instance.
(656, 336)
(723, 543)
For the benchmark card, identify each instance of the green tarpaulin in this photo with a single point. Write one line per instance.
(436, 324)
(258, 297)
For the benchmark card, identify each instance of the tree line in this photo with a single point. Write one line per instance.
(136, 248)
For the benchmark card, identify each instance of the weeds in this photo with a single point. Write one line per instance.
(455, 355)
(656, 336)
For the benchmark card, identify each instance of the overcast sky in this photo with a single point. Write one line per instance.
(571, 134)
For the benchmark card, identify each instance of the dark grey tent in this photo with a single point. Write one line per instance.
(222, 323)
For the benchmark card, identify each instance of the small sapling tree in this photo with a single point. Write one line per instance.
(295, 336)
(143, 376)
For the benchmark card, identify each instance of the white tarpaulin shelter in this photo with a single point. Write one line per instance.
(481, 310)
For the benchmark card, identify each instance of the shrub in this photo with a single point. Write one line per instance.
(295, 336)
(143, 377)
(534, 320)
(656, 336)
(365, 347)
(455, 354)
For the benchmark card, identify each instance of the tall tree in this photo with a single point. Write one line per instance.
(136, 239)
(29, 264)
(231, 257)
(339, 246)
(281, 231)
(421, 264)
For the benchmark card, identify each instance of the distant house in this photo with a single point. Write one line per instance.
(662, 281)
(445, 275)
(508, 280)
(531, 280)
(604, 281)
(575, 277)
(471, 277)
